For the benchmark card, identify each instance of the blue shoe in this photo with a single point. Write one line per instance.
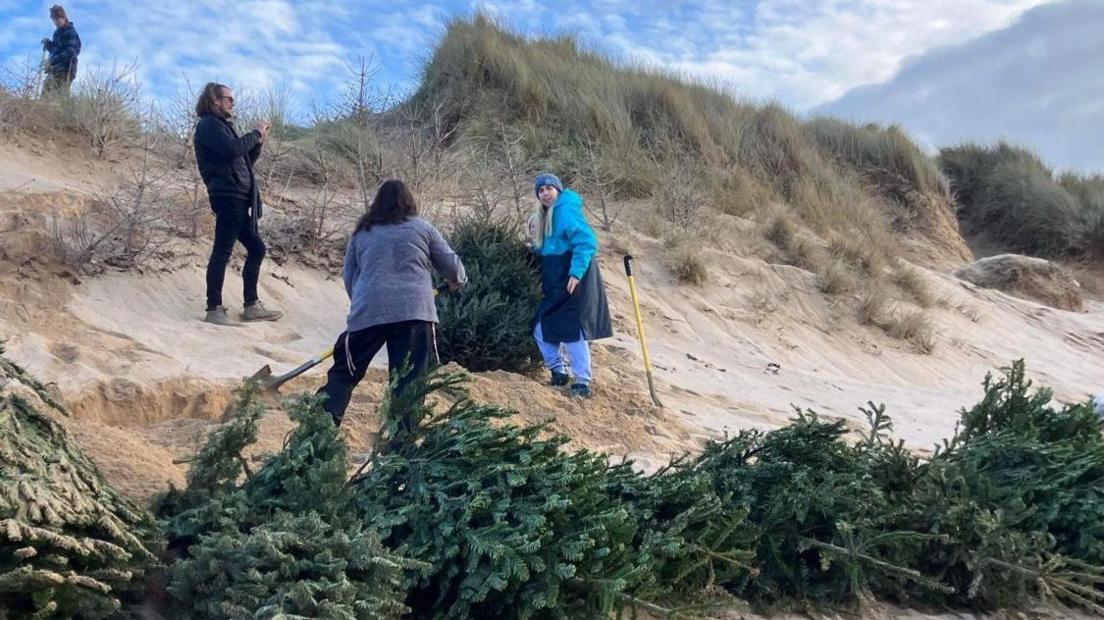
(580, 390)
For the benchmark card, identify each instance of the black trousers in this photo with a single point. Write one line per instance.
(412, 342)
(233, 224)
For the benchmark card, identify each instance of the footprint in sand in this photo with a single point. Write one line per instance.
(283, 336)
(267, 353)
(65, 352)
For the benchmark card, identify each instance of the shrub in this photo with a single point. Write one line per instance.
(487, 326)
(875, 305)
(913, 281)
(914, 326)
(684, 258)
(835, 278)
(103, 108)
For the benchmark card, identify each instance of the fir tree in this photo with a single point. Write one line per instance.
(281, 541)
(70, 545)
(488, 325)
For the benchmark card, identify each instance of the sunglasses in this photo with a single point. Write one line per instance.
(226, 97)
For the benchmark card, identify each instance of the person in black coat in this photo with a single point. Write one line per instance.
(64, 47)
(225, 162)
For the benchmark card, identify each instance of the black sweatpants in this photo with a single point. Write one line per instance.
(353, 351)
(233, 223)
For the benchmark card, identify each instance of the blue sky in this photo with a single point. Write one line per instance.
(803, 53)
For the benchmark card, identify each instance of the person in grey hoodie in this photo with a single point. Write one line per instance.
(388, 275)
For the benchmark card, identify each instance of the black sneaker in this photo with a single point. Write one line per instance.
(580, 390)
(560, 378)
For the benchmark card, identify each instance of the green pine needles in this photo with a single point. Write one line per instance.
(70, 546)
(488, 325)
(281, 541)
(470, 516)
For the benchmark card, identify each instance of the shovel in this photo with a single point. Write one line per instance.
(640, 330)
(270, 385)
(41, 77)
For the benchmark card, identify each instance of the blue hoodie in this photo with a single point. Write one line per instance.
(571, 233)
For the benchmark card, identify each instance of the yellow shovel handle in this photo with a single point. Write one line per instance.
(640, 330)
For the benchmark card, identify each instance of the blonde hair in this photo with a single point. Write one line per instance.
(540, 225)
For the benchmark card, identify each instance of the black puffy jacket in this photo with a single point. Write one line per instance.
(226, 160)
(64, 48)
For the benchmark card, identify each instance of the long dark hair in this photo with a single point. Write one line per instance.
(205, 106)
(393, 203)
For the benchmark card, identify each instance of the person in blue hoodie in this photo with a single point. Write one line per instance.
(573, 308)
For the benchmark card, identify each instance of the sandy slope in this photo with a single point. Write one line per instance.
(129, 353)
(145, 379)
(752, 314)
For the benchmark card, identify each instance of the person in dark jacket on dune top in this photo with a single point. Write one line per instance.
(225, 162)
(64, 47)
(573, 308)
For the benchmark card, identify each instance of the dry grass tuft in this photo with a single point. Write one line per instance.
(913, 281)
(834, 278)
(684, 258)
(914, 326)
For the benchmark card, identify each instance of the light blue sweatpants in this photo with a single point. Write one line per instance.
(578, 354)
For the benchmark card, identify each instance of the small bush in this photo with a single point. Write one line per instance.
(913, 281)
(834, 278)
(797, 246)
(679, 197)
(913, 326)
(487, 326)
(858, 253)
(684, 258)
(875, 305)
(104, 109)
(738, 192)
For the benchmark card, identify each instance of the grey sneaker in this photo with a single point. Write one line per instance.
(580, 390)
(257, 312)
(219, 316)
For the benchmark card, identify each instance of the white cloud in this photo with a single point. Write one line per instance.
(803, 53)
(260, 43)
(798, 52)
(1036, 83)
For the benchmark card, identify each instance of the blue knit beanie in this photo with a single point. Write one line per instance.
(547, 178)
